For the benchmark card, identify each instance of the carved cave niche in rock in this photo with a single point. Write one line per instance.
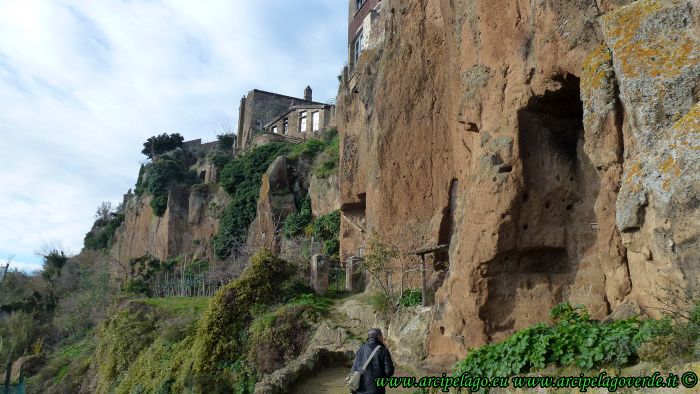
(522, 287)
(447, 226)
(554, 216)
(560, 183)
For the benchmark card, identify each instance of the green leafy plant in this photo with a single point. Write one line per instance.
(412, 297)
(296, 222)
(573, 340)
(309, 148)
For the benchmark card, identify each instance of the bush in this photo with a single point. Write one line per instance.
(412, 297)
(102, 237)
(160, 144)
(574, 340)
(278, 337)
(219, 159)
(296, 222)
(225, 141)
(241, 178)
(218, 337)
(308, 148)
(120, 339)
(330, 157)
(382, 303)
(164, 173)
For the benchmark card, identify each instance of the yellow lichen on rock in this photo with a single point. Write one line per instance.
(594, 72)
(690, 122)
(660, 56)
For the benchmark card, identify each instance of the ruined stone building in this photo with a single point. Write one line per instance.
(365, 28)
(265, 117)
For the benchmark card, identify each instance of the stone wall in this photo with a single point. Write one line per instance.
(326, 120)
(260, 108)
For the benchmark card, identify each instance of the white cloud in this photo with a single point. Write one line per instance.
(83, 84)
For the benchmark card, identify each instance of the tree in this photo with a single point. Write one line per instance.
(54, 260)
(103, 211)
(160, 144)
(226, 141)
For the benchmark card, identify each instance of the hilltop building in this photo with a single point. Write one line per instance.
(365, 29)
(265, 117)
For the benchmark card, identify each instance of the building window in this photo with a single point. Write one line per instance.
(274, 129)
(302, 121)
(315, 120)
(357, 48)
(358, 4)
(285, 126)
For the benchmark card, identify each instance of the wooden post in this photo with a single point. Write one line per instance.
(424, 284)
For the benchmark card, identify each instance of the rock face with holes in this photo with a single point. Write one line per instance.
(187, 226)
(554, 145)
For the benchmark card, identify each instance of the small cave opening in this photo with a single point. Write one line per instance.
(551, 141)
(447, 226)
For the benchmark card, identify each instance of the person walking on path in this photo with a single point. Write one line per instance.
(381, 365)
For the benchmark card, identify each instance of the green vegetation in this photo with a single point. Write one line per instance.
(680, 341)
(329, 159)
(241, 178)
(573, 340)
(103, 235)
(121, 338)
(65, 368)
(327, 229)
(277, 337)
(229, 312)
(178, 306)
(219, 159)
(165, 172)
(160, 144)
(308, 148)
(296, 222)
(225, 141)
(412, 297)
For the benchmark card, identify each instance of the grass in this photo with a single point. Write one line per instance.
(178, 306)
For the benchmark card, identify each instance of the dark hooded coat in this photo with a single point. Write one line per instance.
(381, 366)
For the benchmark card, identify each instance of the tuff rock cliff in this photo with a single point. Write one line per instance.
(554, 145)
(186, 228)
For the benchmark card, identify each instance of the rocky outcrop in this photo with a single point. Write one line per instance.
(275, 203)
(553, 145)
(187, 226)
(324, 195)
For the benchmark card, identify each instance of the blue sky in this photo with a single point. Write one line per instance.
(84, 83)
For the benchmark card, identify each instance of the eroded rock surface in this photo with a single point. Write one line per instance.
(187, 226)
(554, 145)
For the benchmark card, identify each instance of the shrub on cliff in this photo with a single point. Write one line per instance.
(328, 160)
(101, 237)
(158, 177)
(218, 339)
(225, 141)
(159, 144)
(241, 178)
(296, 222)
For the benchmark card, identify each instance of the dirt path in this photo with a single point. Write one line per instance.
(332, 381)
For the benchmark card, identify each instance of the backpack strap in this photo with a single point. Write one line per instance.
(364, 367)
